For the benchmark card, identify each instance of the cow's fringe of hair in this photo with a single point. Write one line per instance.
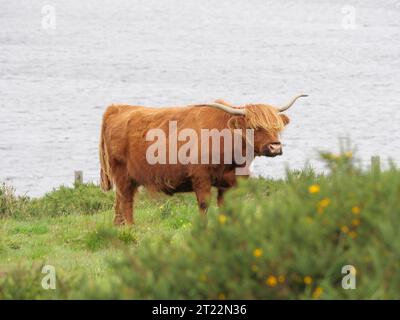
(263, 117)
(105, 169)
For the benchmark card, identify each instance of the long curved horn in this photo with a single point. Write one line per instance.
(284, 108)
(225, 108)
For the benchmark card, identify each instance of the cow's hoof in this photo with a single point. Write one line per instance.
(119, 221)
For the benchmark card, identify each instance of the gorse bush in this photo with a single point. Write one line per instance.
(292, 244)
(287, 239)
(25, 282)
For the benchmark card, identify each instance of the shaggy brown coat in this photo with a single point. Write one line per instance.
(123, 148)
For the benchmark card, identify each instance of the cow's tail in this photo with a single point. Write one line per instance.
(105, 169)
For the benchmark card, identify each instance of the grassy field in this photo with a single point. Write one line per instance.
(71, 229)
(273, 239)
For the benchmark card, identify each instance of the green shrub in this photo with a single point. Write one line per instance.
(289, 245)
(80, 199)
(10, 204)
(25, 282)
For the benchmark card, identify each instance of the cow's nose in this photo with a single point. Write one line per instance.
(275, 148)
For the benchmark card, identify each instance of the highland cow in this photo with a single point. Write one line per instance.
(128, 133)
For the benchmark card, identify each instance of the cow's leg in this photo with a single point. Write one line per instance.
(220, 196)
(229, 181)
(202, 188)
(125, 190)
(126, 198)
(118, 218)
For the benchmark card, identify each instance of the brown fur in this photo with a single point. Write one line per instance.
(123, 151)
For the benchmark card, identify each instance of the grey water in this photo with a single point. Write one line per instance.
(57, 77)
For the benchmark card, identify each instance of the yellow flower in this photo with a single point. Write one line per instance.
(271, 281)
(324, 202)
(322, 205)
(221, 296)
(348, 154)
(257, 252)
(281, 279)
(317, 292)
(315, 188)
(355, 222)
(222, 218)
(344, 229)
(307, 280)
(356, 210)
(352, 234)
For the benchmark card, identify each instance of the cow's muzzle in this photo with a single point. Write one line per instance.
(273, 149)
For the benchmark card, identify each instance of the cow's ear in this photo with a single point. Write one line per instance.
(285, 119)
(237, 122)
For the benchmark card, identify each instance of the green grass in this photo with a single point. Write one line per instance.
(68, 236)
(71, 229)
(273, 239)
